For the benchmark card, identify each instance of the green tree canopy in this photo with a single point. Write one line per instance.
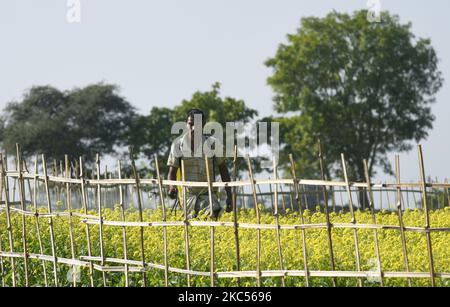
(364, 89)
(216, 108)
(150, 135)
(80, 122)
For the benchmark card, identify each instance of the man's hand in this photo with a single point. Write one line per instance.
(172, 176)
(173, 192)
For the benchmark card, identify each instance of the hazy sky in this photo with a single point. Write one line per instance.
(160, 52)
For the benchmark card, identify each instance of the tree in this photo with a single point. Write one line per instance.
(81, 122)
(217, 109)
(150, 135)
(365, 89)
(99, 118)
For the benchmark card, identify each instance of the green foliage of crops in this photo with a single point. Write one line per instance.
(291, 241)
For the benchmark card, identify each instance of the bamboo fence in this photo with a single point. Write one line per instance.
(24, 180)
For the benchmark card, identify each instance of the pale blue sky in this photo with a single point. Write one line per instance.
(160, 52)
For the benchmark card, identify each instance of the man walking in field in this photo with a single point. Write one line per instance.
(185, 149)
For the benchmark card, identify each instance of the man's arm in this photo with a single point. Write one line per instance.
(172, 175)
(225, 175)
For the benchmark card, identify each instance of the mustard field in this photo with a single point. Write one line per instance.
(318, 252)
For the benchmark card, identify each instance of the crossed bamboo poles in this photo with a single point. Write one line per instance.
(22, 175)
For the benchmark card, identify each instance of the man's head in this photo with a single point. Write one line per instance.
(192, 116)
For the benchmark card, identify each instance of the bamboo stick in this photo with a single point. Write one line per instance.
(1, 248)
(327, 214)
(230, 274)
(277, 223)
(1, 183)
(53, 214)
(8, 217)
(50, 222)
(85, 207)
(5, 184)
(36, 219)
(279, 193)
(374, 220)
(427, 216)
(56, 187)
(1, 238)
(14, 188)
(235, 219)
(124, 229)
(355, 232)
(105, 199)
(21, 184)
(305, 182)
(137, 267)
(186, 226)
(266, 226)
(61, 171)
(30, 192)
(139, 201)
(25, 169)
(69, 207)
(400, 218)
(302, 220)
(100, 218)
(163, 208)
(258, 219)
(2, 269)
(211, 208)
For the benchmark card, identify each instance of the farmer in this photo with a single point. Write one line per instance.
(192, 152)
